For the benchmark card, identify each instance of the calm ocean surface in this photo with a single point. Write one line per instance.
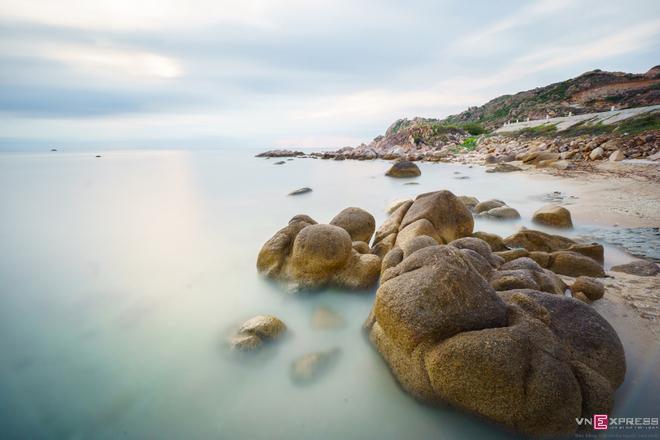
(121, 276)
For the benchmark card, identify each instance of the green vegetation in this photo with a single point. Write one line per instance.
(640, 124)
(470, 143)
(539, 130)
(474, 128)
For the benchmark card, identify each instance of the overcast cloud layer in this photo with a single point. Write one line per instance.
(184, 73)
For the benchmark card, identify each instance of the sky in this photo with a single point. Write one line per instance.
(289, 73)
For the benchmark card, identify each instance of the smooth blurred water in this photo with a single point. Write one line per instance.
(121, 276)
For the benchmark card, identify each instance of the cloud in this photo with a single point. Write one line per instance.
(306, 72)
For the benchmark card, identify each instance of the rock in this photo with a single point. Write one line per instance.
(404, 169)
(655, 156)
(640, 267)
(556, 216)
(561, 165)
(469, 202)
(581, 297)
(617, 156)
(521, 358)
(443, 212)
(494, 241)
(596, 153)
(502, 212)
(255, 331)
(512, 254)
(245, 342)
(299, 191)
(525, 273)
(479, 246)
(325, 318)
(396, 204)
(279, 162)
(537, 241)
(503, 168)
(98, 155)
(309, 255)
(573, 264)
(589, 287)
(263, 326)
(488, 205)
(359, 224)
(311, 366)
(489, 159)
(361, 247)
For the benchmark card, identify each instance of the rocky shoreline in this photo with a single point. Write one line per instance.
(502, 327)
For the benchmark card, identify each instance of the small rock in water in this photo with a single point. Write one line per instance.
(461, 177)
(325, 318)
(404, 169)
(255, 331)
(311, 366)
(280, 162)
(98, 155)
(503, 168)
(299, 191)
(412, 183)
(556, 216)
(53, 149)
(641, 268)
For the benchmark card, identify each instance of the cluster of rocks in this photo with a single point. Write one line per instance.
(469, 318)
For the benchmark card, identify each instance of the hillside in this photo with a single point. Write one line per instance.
(594, 91)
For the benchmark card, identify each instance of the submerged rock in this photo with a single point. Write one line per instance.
(311, 366)
(325, 318)
(310, 255)
(404, 169)
(525, 359)
(299, 191)
(556, 216)
(279, 162)
(255, 331)
(496, 209)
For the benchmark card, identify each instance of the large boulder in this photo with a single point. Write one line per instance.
(439, 215)
(359, 224)
(552, 215)
(404, 169)
(308, 255)
(530, 361)
(495, 242)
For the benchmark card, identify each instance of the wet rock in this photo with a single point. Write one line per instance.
(359, 224)
(640, 267)
(312, 366)
(520, 358)
(495, 242)
(488, 205)
(404, 169)
(279, 162)
(589, 287)
(280, 153)
(299, 191)
(308, 255)
(556, 216)
(503, 168)
(255, 331)
(502, 212)
(512, 254)
(325, 318)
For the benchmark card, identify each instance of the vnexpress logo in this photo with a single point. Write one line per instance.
(601, 422)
